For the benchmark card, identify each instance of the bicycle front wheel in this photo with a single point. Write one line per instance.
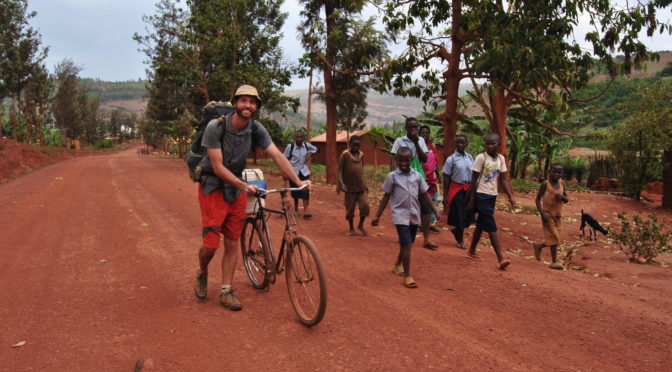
(255, 254)
(306, 282)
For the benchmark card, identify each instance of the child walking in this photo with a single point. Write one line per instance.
(297, 153)
(550, 198)
(487, 168)
(350, 180)
(456, 184)
(402, 187)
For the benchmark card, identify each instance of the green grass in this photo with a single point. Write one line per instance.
(524, 185)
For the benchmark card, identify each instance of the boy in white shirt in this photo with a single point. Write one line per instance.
(487, 168)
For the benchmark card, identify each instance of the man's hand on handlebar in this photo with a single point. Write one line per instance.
(250, 189)
(308, 184)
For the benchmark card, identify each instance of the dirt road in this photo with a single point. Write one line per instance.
(98, 255)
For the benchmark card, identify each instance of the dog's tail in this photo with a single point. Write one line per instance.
(582, 211)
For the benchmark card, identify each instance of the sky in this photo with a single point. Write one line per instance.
(97, 35)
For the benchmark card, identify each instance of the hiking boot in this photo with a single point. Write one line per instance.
(229, 300)
(201, 285)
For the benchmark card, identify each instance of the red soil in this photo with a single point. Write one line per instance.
(99, 254)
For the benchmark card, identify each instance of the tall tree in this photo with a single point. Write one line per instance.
(65, 99)
(20, 53)
(322, 34)
(525, 49)
(359, 44)
(211, 47)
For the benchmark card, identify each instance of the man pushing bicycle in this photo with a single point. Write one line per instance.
(222, 194)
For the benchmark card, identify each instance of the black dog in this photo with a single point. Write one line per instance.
(592, 224)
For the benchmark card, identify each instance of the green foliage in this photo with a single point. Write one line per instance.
(524, 185)
(574, 166)
(639, 140)
(641, 239)
(274, 130)
(113, 91)
(104, 144)
(195, 55)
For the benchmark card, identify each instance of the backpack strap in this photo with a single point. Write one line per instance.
(291, 151)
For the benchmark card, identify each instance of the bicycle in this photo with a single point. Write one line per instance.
(304, 273)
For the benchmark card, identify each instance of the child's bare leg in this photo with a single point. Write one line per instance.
(459, 237)
(352, 227)
(361, 225)
(474, 240)
(425, 220)
(494, 239)
(554, 253)
(537, 250)
(306, 202)
(296, 205)
(405, 258)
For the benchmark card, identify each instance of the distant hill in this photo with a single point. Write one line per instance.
(383, 109)
(123, 95)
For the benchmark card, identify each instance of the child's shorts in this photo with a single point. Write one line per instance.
(353, 199)
(303, 194)
(485, 208)
(553, 230)
(406, 234)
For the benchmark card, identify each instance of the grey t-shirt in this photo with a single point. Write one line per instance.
(235, 148)
(404, 190)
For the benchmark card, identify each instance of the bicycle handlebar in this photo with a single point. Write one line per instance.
(262, 192)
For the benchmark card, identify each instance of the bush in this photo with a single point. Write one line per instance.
(574, 166)
(524, 185)
(104, 144)
(641, 239)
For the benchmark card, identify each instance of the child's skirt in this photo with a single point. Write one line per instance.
(553, 230)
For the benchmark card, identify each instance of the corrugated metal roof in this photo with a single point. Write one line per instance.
(341, 136)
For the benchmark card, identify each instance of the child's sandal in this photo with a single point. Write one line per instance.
(398, 270)
(410, 283)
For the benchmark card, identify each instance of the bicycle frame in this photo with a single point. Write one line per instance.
(291, 223)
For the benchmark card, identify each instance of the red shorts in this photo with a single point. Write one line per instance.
(221, 217)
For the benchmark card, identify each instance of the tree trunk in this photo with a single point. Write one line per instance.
(667, 179)
(453, 76)
(330, 101)
(14, 113)
(500, 108)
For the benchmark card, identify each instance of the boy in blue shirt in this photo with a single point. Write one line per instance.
(402, 188)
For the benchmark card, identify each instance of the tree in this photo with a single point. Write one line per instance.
(525, 49)
(327, 39)
(204, 52)
(358, 43)
(642, 143)
(20, 53)
(65, 100)
(36, 102)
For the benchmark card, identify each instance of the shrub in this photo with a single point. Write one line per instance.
(104, 144)
(574, 166)
(524, 185)
(641, 239)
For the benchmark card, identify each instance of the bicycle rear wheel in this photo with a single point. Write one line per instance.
(255, 254)
(306, 282)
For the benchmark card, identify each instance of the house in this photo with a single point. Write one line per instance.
(371, 149)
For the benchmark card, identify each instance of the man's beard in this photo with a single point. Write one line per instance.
(239, 112)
